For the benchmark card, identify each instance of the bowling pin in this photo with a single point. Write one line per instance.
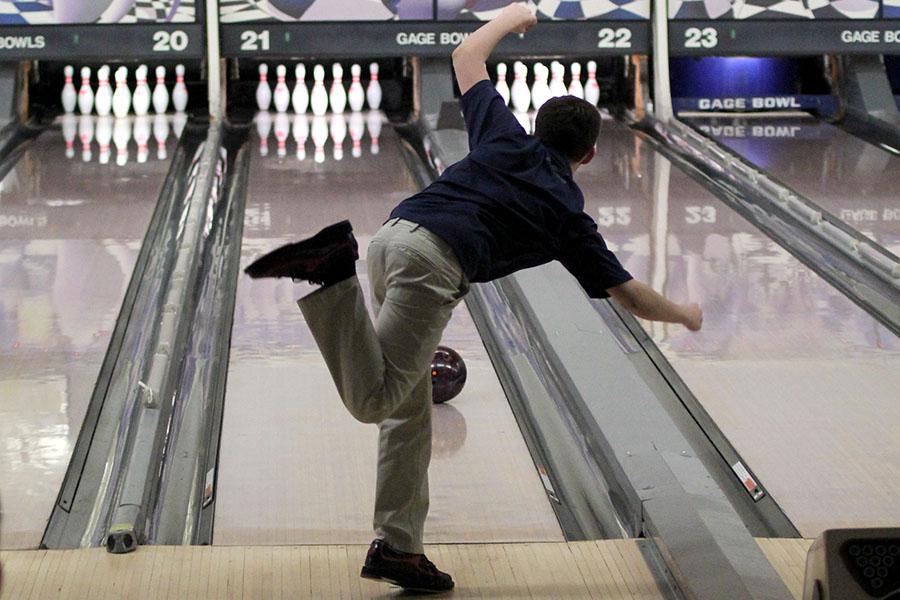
(160, 93)
(104, 135)
(263, 93)
(337, 96)
(591, 87)
(161, 135)
(85, 93)
(121, 137)
(263, 128)
(122, 97)
(373, 122)
(86, 135)
(69, 130)
(575, 87)
(300, 130)
(338, 134)
(282, 130)
(357, 130)
(557, 85)
(69, 95)
(140, 99)
(300, 96)
(319, 98)
(373, 90)
(540, 91)
(356, 96)
(519, 93)
(501, 86)
(103, 97)
(179, 92)
(282, 95)
(142, 137)
(319, 136)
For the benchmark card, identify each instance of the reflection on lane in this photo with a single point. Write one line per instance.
(295, 467)
(801, 381)
(854, 180)
(70, 232)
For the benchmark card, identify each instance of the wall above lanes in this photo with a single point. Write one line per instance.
(87, 29)
(785, 28)
(363, 28)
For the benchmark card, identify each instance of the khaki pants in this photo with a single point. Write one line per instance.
(382, 369)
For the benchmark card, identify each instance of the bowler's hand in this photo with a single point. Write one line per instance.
(693, 317)
(518, 17)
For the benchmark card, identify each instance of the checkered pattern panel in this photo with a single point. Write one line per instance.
(774, 9)
(40, 12)
(26, 13)
(594, 9)
(161, 11)
(241, 11)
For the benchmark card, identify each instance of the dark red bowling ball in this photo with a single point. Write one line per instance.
(448, 374)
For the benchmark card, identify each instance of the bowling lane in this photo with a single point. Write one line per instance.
(800, 380)
(850, 178)
(295, 467)
(70, 231)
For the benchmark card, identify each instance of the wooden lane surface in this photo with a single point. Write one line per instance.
(611, 569)
(788, 556)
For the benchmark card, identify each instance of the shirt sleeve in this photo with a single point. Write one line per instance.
(487, 116)
(585, 255)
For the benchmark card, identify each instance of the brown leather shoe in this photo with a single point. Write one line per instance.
(412, 572)
(327, 257)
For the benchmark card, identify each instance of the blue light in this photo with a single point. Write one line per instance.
(714, 77)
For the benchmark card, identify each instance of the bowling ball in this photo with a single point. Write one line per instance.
(448, 374)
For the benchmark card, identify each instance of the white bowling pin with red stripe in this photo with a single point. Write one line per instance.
(282, 95)
(160, 93)
(140, 100)
(337, 97)
(557, 84)
(69, 95)
(373, 90)
(121, 103)
(575, 86)
(85, 93)
(263, 91)
(300, 95)
(519, 93)
(501, 86)
(103, 97)
(319, 98)
(356, 96)
(591, 87)
(179, 92)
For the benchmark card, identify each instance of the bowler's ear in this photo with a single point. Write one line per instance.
(588, 157)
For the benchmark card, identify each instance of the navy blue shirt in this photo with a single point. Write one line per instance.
(511, 203)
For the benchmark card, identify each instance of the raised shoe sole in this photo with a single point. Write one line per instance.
(302, 260)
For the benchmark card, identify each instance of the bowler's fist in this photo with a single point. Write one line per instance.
(519, 17)
(693, 317)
